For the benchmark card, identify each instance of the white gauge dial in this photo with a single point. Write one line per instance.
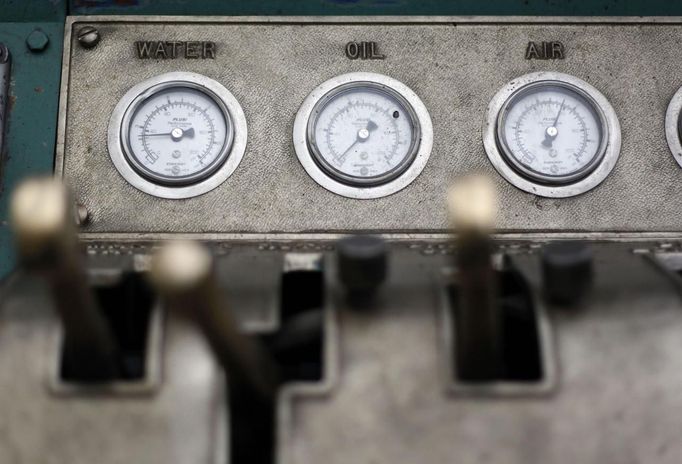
(552, 132)
(363, 134)
(177, 135)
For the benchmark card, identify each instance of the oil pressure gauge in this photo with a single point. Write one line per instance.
(363, 135)
(177, 135)
(552, 135)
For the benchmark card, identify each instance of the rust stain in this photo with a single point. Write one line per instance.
(12, 101)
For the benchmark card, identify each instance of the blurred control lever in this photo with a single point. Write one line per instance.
(42, 220)
(472, 206)
(183, 273)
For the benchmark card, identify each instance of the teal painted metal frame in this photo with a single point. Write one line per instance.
(32, 122)
(380, 7)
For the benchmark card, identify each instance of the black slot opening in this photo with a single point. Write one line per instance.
(126, 307)
(521, 356)
(297, 347)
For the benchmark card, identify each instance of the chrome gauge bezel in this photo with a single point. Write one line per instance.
(348, 186)
(199, 183)
(531, 181)
(367, 181)
(673, 126)
(167, 180)
(535, 175)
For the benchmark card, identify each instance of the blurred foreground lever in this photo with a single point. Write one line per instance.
(472, 206)
(183, 273)
(41, 214)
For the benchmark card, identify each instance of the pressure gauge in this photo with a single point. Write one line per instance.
(177, 135)
(673, 126)
(363, 135)
(552, 135)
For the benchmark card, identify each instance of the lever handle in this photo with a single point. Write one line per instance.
(472, 205)
(42, 219)
(183, 273)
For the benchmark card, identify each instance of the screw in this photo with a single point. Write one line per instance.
(82, 215)
(4, 53)
(37, 41)
(88, 37)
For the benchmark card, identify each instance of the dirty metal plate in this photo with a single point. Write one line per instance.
(455, 65)
(616, 399)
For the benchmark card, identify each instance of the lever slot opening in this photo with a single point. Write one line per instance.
(126, 303)
(297, 348)
(523, 364)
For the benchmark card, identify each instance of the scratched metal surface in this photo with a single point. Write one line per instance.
(617, 398)
(454, 68)
(183, 421)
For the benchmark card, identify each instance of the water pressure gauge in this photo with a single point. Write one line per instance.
(177, 135)
(363, 135)
(552, 135)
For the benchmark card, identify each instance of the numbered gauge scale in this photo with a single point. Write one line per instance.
(177, 135)
(552, 135)
(363, 135)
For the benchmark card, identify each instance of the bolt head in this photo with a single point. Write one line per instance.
(82, 215)
(4, 53)
(362, 262)
(88, 37)
(37, 41)
(567, 272)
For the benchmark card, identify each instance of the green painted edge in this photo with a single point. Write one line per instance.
(32, 123)
(32, 11)
(380, 7)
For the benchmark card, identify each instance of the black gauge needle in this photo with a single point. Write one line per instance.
(176, 134)
(551, 132)
(362, 136)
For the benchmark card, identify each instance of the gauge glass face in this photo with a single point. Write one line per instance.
(177, 135)
(363, 134)
(552, 133)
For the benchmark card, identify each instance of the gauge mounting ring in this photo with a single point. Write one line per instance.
(673, 126)
(605, 160)
(232, 150)
(390, 184)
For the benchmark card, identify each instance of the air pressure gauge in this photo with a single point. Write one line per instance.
(673, 126)
(552, 135)
(363, 135)
(177, 135)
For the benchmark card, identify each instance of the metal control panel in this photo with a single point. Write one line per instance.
(472, 94)
(346, 286)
